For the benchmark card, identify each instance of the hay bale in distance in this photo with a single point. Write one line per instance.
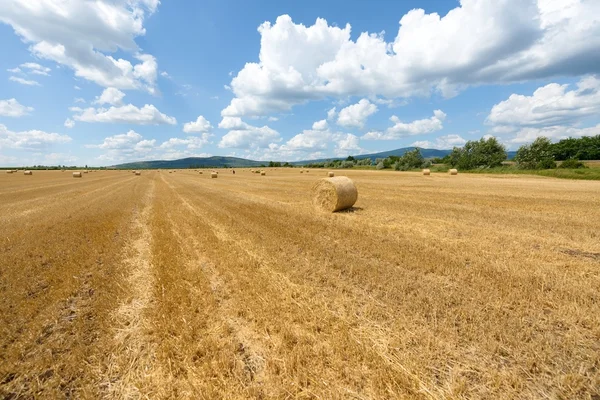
(330, 174)
(138, 173)
(426, 172)
(213, 175)
(334, 194)
(9, 171)
(27, 173)
(85, 172)
(453, 171)
(263, 173)
(77, 175)
(200, 172)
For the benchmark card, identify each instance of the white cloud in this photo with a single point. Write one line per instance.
(200, 125)
(76, 88)
(478, 42)
(12, 108)
(128, 146)
(36, 68)
(272, 119)
(191, 142)
(549, 105)
(79, 100)
(69, 123)
(112, 96)
(552, 111)
(356, 114)
(164, 74)
(441, 143)
(331, 114)
(15, 70)
(29, 140)
(245, 136)
(82, 34)
(320, 125)
(313, 143)
(527, 135)
(22, 81)
(347, 144)
(127, 114)
(402, 129)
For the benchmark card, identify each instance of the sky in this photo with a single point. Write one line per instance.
(109, 81)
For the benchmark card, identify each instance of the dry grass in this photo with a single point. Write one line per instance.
(467, 286)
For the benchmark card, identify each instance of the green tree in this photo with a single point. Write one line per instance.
(482, 153)
(410, 160)
(537, 155)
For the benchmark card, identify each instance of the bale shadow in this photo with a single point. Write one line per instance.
(350, 210)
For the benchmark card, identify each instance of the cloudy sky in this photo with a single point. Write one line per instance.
(108, 81)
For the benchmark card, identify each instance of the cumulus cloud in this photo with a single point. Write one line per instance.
(29, 140)
(331, 114)
(22, 81)
(69, 123)
(191, 142)
(245, 136)
(320, 125)
(442, 142)
(527, 135)
(552, 110)
(478, 42)
(127, 114)
(127, 146)
(402, 129)
(12, 108)
(200, 125)
(112, 96)
(356, 114)
(82, 34)
(314, 143)
(549, 105)
(124, 114)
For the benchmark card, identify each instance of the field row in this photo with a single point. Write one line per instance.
(176, 285)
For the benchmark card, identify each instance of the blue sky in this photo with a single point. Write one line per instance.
(104, 82)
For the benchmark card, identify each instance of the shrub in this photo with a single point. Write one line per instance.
(572, 163)
(380, 165)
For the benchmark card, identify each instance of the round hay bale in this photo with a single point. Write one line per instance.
(426, 172)
(334, 194)
(262, 173)
(138, 173)
(27, 173)
(213, 175)
(9, 171)
(200, 172)
(77, 175)
(85, 172)
(453, 171)
(301, 172)
(330, 174)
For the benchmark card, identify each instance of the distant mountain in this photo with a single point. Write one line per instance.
(192, 162)
(220, 162)
(427, 153)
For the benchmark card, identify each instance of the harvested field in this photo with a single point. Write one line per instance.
(178, 286)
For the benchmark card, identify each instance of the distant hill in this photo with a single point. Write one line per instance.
(427, 153)
(192, 162)
(220, 162)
